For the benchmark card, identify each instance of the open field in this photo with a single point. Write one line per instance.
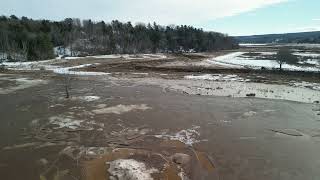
(184, 116)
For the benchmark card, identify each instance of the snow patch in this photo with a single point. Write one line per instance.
(130, 169)
(217, 77)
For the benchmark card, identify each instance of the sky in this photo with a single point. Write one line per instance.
(233, 17)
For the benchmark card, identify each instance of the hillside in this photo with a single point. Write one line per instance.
(24, 39)
(303, 37)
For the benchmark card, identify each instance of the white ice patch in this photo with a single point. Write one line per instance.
(120, 109)
(217, 77)
(130, 169)
(86, 98)
(65, 122)
(187, 136)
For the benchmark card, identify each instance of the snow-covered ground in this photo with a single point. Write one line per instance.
(217, 77)
(50, 66)
(130, 56)
(252, 45)
(68, 70)
(237, 59)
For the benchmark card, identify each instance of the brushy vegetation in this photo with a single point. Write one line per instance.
(28, 39)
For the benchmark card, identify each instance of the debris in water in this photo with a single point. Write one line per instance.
(289, 132)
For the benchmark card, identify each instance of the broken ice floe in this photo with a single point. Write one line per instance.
(71, 123)
(65, 122)
(130, 169)
(120, 109)
(85, 98)
(187, 136)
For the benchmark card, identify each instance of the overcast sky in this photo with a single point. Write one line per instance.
(235, 17)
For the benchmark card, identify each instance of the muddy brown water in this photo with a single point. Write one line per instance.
(235, 132)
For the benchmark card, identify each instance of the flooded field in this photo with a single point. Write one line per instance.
(157, 117)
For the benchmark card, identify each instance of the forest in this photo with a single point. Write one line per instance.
(25, 39)
(300, 37)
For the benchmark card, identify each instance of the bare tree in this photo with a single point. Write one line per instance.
(67, 80)
(284, 56)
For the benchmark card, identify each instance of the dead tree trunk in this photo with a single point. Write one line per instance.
(67, 86)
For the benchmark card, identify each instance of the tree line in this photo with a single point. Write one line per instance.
(27, 39)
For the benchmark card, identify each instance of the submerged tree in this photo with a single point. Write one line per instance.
(284, 56)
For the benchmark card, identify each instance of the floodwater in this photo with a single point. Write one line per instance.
(244, 138)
